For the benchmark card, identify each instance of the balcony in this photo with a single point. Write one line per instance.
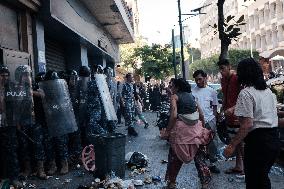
(30, 4)
(114, 16)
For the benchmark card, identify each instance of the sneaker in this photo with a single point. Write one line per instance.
(132, 132)
(214, 169)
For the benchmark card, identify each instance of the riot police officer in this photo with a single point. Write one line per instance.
(9, 166)
(75, 146)
(128, 104)
(57, 107)
(80, 108)
(29, 132)
(94, 106)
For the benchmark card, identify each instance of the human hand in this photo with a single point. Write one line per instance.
(229, 150)
(229, 111)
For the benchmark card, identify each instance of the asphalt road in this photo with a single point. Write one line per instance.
(149, 143)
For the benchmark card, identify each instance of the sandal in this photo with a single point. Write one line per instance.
(233, 171)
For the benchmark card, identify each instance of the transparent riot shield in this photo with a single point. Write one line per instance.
(58, 108)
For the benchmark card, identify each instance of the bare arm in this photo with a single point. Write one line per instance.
(245, 126)
(201, 115)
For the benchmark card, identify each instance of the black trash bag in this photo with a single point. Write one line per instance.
(222, 131)
(138, 160)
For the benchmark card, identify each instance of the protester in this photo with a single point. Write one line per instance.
(138, 110)
(231, 89)
(119, 111)
(257, 113)
(207, 99)
(186, 135)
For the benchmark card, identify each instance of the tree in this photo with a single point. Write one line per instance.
(194, 53)
(209, 64)
(127, 54)
(228, 29)
(156, 60)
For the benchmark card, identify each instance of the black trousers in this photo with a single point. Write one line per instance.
(261, 149)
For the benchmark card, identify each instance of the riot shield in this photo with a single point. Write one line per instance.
(11, 98)
(16, 98)
(58, 108)
(105, 97)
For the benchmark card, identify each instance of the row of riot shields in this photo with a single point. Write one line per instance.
(16, 103)
(58, 108)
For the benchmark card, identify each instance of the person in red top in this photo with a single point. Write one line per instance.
(231, 90)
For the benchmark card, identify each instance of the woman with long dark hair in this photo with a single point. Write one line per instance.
(257, 113)
(187, 134)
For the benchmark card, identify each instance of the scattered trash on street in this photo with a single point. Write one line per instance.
(136, 159)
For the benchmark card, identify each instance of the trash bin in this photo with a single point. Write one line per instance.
(109, 154)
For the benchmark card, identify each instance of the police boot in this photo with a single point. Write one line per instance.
(52, 168)
(40, 170)
(64, 167)
(17, 184)
(27, 169)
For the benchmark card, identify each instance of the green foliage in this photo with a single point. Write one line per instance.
(209, 64)
(156, 60)
(193, 52)
(127, 53)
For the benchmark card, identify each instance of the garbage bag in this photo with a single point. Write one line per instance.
(138, 160)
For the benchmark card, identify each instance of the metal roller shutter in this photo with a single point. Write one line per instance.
(54, 53)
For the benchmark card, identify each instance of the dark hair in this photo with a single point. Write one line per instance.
(223, 62)
(250, 74)
(182, 85)
(199, 72)
(128, 75)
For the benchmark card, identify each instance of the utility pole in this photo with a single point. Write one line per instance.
(174, 52)
(181, 40)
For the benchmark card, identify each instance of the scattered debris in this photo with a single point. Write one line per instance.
(138, 182)
(136, 159)
(67, 181)
(31, 186)
(164, 161)
(156, 179)
(78, 166)
(148, 179)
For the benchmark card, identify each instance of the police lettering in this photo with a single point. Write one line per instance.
(14, 93)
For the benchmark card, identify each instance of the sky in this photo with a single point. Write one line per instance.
(159, 17)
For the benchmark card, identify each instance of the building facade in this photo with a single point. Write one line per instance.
(264, 29)
(63, 34)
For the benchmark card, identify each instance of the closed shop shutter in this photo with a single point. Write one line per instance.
(54, 54)
(9, 35)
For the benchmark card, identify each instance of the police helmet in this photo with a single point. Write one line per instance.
(40, 77)
(4, 69)
(84, 71)
(51, 75)
(22, 69)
